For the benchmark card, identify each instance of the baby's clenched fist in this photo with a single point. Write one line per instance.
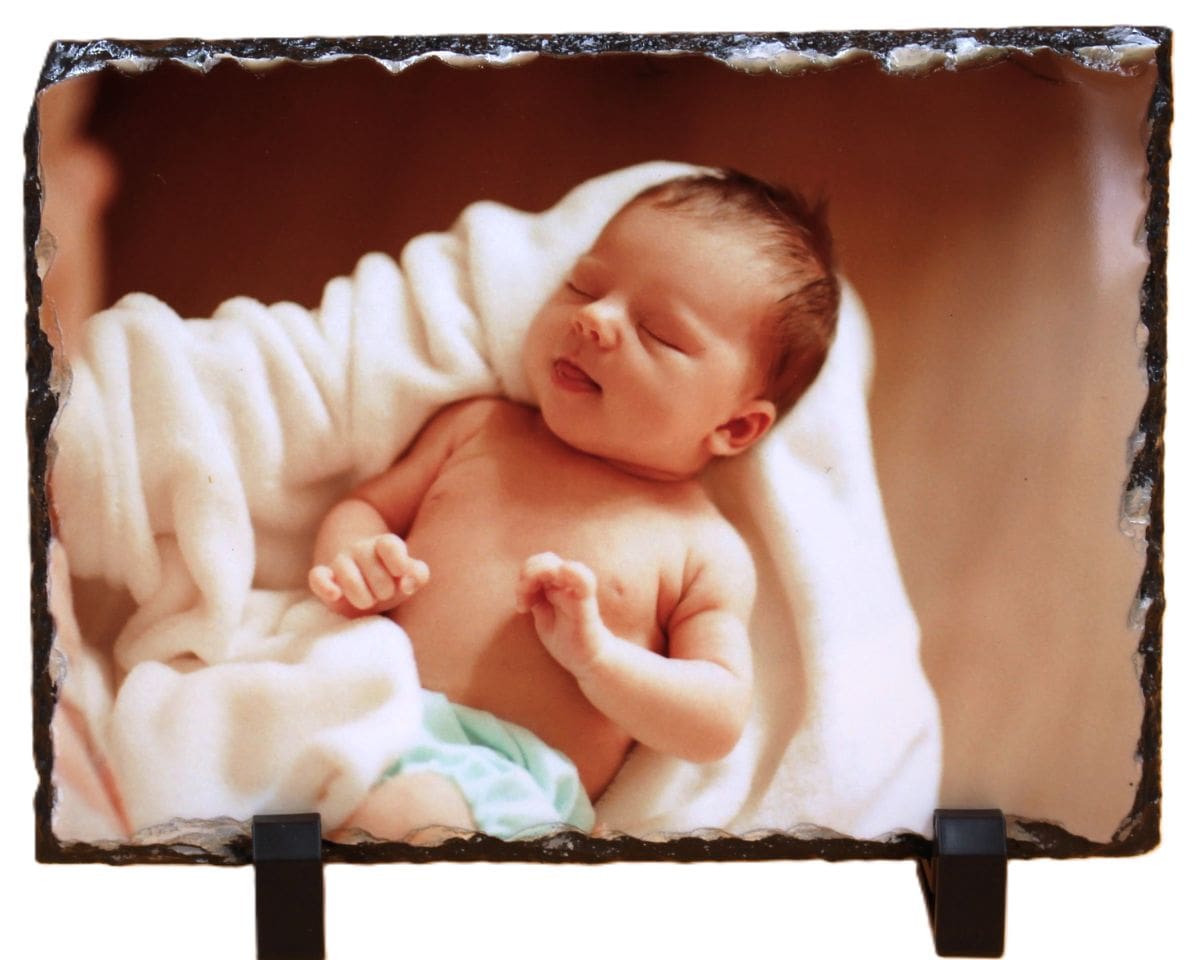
(369, 576)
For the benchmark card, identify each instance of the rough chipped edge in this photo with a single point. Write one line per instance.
(915, 52)
(1115, 48)
(1140, 831)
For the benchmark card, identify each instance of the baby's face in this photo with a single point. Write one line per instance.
(648, 355)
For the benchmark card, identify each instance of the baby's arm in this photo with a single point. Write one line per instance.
(360, 561)
(693, 703)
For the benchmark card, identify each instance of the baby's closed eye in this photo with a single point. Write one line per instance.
(660, 338)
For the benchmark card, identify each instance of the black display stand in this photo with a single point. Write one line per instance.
(289, 889)
(965, 882)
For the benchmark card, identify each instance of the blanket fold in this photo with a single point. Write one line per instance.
(305, 718)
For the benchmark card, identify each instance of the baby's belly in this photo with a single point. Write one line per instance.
(471, 645)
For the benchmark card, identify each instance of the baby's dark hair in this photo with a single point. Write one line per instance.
(795, 236)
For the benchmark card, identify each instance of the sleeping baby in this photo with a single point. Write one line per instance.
(567, 586)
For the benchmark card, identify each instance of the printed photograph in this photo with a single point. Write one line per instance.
(735, 443)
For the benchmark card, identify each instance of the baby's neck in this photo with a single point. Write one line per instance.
(641, 471)
(649, 473)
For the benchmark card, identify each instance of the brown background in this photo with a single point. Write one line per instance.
(989, 218)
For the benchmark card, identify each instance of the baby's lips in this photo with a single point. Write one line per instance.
(570, 374)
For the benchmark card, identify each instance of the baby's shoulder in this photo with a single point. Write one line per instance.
(465, 418)
(708, 538)
(717, 567)
(695, 507)
(478, 412)
(473, 410)
(715, 539)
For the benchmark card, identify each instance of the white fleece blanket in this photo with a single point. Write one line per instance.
(195, 460)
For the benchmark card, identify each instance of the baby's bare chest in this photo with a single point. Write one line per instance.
(510, 496)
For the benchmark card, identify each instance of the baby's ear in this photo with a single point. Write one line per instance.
(740, 433)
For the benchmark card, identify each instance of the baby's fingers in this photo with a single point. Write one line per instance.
(323, 586)
(350, 579)
(577, 579)
(380, 584)
(393, 554)
(537, 573)
(557, 578)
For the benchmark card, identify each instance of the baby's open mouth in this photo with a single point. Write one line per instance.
(570, 377)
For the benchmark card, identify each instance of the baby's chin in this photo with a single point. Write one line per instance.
(572, 431)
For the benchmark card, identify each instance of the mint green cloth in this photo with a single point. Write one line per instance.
(515, 785)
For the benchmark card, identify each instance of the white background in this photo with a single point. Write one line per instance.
(1096, 908)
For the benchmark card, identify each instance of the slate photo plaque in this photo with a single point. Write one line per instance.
(506, 294)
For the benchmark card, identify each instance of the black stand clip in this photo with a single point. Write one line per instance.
(289, 891)
(965, 882)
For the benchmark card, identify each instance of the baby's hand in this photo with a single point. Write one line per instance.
(561, 595)
(371, 575)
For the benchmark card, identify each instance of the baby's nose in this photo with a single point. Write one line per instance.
(600, 322)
